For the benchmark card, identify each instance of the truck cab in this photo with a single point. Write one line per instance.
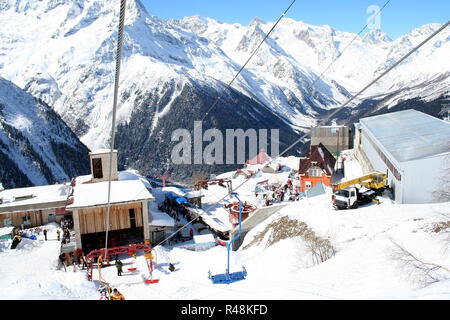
(349, 194)
(345, 198)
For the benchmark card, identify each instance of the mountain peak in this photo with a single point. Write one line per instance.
(376, 36)
(256, 22)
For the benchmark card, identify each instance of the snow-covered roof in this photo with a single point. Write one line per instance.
(102, 151)
(96, 194)
(193, 194)
(318, 189)
(204, 239)
(410, 134)
(319, 155)
(260, 158)
(175, 190)
(49, 196)
(159, 219)
(133, 175)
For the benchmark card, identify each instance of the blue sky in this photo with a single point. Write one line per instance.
(397, 18)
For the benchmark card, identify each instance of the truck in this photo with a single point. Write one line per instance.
(365, 189)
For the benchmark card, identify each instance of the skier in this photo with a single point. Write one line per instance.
(117, 295)
(45, 234)
(171, 267)
(58, 233)
(119, 265)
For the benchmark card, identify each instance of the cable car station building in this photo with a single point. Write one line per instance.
(413, 148)
(128, 216)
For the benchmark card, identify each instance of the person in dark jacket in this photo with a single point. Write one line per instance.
(62, 261)
(45, 234)
(119, 266)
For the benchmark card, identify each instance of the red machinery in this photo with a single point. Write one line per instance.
(233, 208)
(221, 182)
(129, 250)
(164, 178)
(150, 258)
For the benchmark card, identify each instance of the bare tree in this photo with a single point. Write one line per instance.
(198, 176)
(418, 270)
(321, 249)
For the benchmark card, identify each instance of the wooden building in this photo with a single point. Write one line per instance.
(85, 201)
(33, 206)
(317, 167)
(128, 214)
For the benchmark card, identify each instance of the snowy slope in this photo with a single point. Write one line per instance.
(30, 272)
(363, 267)
(36, 146)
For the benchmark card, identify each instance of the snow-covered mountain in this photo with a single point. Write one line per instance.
(36, 146)
(63, 51)
(356, 60)
(67, 59)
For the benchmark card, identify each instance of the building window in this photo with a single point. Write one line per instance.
(97, 169)
(26, 220)
(7, 222)
(132, 218)
(308, 184)
(315, 172)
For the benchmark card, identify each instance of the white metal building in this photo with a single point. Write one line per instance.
(413, 148)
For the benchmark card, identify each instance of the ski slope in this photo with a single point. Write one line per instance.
(363, 267)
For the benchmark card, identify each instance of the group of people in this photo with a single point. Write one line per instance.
(66, 235)
(281, 192)
(65, 222)
(116, 294)
(175, 210)
(76, 259)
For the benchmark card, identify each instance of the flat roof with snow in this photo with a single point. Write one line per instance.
(410, 134)
(96, 194)
(204, 239)
(159, 219)
(39, 197)
(102, 151)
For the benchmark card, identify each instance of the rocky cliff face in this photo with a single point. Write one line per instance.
(36, 146)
